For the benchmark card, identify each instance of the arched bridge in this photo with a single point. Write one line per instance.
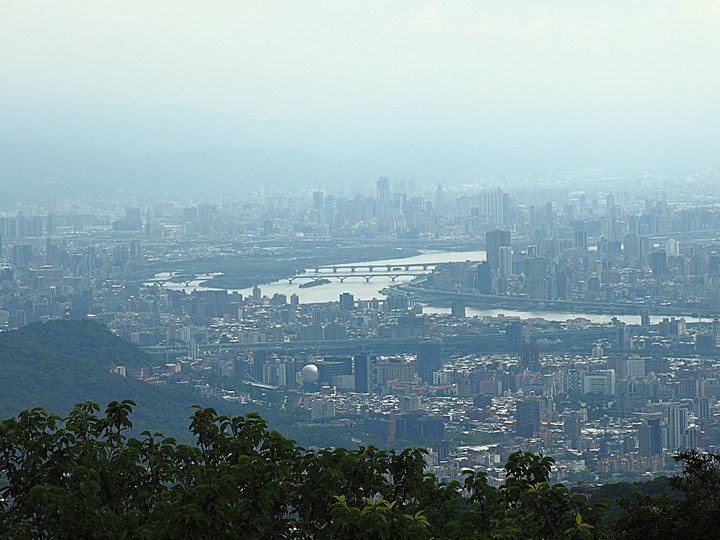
(185, 280)
(390, 267)
(365, 275)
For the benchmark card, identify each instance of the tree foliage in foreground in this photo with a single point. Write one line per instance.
(694, 514)
(82, 477)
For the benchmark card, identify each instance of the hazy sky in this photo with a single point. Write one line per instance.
(584, 76)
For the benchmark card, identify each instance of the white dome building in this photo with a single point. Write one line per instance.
(310, 374)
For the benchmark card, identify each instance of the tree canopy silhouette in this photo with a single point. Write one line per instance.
(82, 477)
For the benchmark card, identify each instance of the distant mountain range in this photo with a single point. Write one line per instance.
(51, 149)
(37, 169)
(34, 171)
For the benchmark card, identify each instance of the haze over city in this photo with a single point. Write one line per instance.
(416, 269)
(526, 86)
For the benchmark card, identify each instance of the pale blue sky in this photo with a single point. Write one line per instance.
(551, 76)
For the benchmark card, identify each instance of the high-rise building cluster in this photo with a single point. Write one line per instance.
(620, 394)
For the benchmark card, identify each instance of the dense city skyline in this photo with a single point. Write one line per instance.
(490, 231)
(610, 369)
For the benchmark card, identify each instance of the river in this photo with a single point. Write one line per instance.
(355, 285)
(363, 290)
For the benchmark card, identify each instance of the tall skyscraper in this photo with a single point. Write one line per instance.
(505, 262)
(383, 190)
(530, 356)
(429, 359)
(319, 206)
(622, 337)
(631, 249)
(527, 417)
(493, 206)
(22, 255)
(457, 309)
(572, 429)
(347, 302)
(383, 197)
(536, 270)
(702, 409)
(581, 240)
(675, 429)
(658, 263)
(50, 225)
(319, 200)
(259, 359)
(484, 278)
(650, 437)
(514, 335)
(440, 205)
(672, 248)
(493, 241)
(688, 388)
(366, 373)
(135, 250)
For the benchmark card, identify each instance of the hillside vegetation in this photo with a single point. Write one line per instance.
(58, 363)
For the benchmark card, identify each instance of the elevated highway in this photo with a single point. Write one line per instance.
(481, 344)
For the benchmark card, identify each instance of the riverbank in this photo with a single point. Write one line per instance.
(497, 302)
(268, 265)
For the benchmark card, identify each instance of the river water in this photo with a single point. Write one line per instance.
(355, 285)
(363, 290)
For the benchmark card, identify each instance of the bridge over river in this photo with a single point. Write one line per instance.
(342, 277)
(379, 267)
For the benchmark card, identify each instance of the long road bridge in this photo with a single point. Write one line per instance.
(568, 342)
(338, 271)
(185, 280)
(389, 267)
(342, 277)
(495, 343)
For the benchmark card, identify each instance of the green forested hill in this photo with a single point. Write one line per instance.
(56, 364)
